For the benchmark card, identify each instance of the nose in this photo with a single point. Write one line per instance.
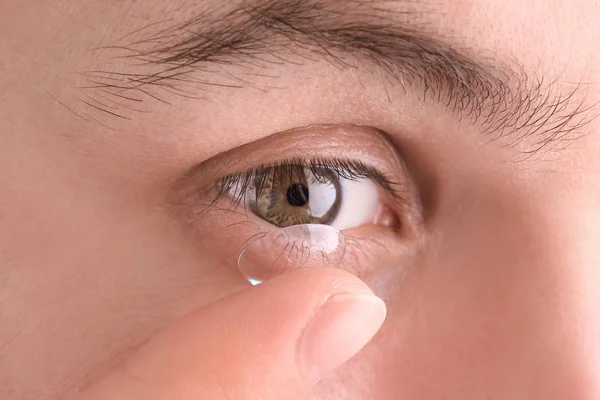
(526, 295)
(504, 303)
(564, 306)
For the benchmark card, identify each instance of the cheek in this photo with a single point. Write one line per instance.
(92, 279)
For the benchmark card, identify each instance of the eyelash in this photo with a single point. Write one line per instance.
(237, 185)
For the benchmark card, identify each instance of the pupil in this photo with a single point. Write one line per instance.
(297, 195)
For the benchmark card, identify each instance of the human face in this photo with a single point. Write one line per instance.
(114, 116)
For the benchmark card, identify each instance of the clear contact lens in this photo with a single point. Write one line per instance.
(298, 246)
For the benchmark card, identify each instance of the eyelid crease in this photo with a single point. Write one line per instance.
(237, 185)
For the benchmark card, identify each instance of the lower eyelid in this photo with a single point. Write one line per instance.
(368, 248)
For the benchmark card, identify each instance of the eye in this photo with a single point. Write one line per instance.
(348, 177)
(341, 193)
(308, 198)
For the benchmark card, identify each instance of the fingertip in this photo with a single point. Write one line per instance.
(338, 331)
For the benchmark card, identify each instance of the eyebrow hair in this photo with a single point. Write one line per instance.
(197, 56)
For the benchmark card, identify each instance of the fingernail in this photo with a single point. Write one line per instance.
(339, 330)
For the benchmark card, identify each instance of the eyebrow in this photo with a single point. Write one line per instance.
(199, 54)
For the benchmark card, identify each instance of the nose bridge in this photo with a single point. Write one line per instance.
(573, 280)
(522, 270)
(556, 255)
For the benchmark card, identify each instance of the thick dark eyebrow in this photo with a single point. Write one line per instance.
(199, 55)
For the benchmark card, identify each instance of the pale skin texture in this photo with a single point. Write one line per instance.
(495, 296)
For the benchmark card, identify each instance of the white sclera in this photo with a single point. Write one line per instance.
(298, 246)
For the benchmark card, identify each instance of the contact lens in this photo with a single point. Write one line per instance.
(294, 247)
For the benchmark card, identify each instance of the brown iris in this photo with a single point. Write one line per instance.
(284, 196)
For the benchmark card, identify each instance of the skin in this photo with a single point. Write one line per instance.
(493, 291)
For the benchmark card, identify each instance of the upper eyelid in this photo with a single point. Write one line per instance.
(195, 188)
(323, 141)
